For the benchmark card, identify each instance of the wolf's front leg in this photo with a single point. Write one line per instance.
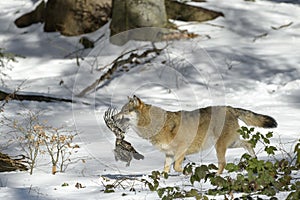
(168, 163)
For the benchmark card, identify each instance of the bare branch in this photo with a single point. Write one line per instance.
(119, 62)
(282, 26)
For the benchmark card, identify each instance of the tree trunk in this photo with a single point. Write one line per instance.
(135, 14)
(54, 169)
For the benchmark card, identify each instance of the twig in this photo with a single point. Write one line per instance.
(282, 26)
(117, 59)
(260, 36)
(214, 25)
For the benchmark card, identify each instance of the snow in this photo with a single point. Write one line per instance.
(239, 60)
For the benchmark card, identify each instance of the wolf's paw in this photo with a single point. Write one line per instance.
(178, 169)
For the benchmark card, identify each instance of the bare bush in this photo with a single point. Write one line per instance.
(34, 136)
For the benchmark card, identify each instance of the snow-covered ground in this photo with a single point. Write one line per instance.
(249, 59)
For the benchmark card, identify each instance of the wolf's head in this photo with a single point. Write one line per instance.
(129, 113)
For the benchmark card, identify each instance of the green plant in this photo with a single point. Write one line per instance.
(170, 192)
(254, 138)
(155, 177)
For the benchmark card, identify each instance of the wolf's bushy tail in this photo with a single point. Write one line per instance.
(254, 119)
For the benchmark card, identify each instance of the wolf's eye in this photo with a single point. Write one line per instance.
(127, 108)
(130, 108)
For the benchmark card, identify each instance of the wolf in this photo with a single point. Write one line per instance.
(182, 133)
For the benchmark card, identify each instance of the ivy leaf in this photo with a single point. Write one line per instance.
(270, 150)
(160, 192)
(231, 167)
(269, 134)
(201, 171)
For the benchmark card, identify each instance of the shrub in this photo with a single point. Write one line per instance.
(34, 136)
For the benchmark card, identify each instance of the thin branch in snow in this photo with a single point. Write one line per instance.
(260, 36)
(133, 58)
(282, 26)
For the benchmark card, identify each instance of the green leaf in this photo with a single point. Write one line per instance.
(65, 184)
(188, 169)
(201, 171)
(165, 175)
(160, 192)
(231, 167)
(269, 191)
(270, 150)
(151, 187)
(269, 165)
(269, 134)
(156, 184)
(193, 179)
(246, 156)
(109, 191)
(205, 198)
(194, 192)
(266, 140)
(294, 195)
(219, 181)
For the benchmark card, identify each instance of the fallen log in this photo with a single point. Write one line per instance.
(7, 164)
(27, 97)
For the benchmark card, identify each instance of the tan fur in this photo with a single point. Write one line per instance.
(181, 133)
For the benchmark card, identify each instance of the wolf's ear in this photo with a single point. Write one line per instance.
(137, 101)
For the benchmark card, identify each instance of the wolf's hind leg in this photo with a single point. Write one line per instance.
(249, 147)
(178, 163)
(246, 145)
(221, 151)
